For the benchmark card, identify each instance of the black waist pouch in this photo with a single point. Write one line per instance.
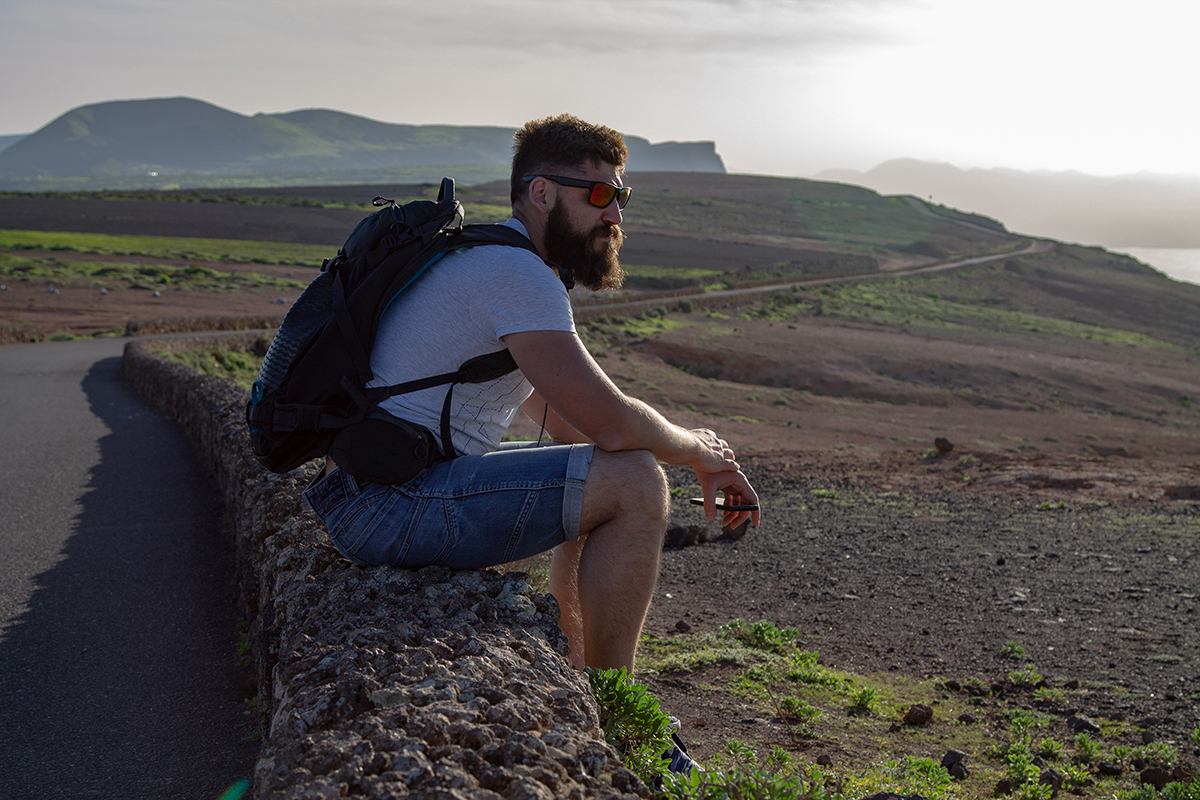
(385, 449)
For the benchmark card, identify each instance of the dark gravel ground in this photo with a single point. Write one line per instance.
(936, 584)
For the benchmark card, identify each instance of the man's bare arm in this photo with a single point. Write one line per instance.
(558, 429)
(568, 378)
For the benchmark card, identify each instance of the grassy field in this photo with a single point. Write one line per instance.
(239, 366)
(231, 250)
(466, 173)
(112, 275)
(916, 302)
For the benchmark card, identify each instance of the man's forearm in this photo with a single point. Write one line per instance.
(641, 427)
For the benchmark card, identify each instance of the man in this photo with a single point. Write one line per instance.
(600, 500)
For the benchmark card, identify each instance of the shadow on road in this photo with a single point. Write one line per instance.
(120, 680)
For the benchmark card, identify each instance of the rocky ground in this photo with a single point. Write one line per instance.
(935, 582)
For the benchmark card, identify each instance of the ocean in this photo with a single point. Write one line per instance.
(1182, 264)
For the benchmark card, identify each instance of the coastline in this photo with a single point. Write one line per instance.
(1180, 263)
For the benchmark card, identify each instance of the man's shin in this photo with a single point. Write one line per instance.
(564, 585)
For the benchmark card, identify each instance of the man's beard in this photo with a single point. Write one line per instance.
(596, 268)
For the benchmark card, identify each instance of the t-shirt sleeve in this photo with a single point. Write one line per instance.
(517, 292)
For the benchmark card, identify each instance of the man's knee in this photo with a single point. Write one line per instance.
(648, 473)
(629, 480)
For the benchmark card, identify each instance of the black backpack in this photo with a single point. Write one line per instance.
(311, 400)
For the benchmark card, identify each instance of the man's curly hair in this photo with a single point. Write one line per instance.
(562, 144)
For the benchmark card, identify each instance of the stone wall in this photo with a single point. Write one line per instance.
(381, 682)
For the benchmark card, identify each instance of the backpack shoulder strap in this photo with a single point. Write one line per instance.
(495, 233)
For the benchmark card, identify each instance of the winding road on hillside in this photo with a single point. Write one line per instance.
(118, 674)
(1039, 246)
(634, 303)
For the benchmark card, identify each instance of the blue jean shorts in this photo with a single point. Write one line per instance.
(468, 513)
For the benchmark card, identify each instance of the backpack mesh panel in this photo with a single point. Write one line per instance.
(304, 320)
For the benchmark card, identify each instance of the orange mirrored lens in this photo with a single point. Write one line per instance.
(603, 194)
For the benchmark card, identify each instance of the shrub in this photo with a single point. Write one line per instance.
(1050, 749)
(1025, 676)
(1089, 748)
(1021, 769)
(762, 635)
(742, 777)
(864, 701)
(1012, 650)
(1156, 754)
(799, 709)
(632, 722)
(1045, 694)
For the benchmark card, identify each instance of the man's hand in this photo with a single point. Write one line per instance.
(718, 471)
(716, 455)
(737, 490)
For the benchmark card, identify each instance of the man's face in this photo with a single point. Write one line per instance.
(585, 238)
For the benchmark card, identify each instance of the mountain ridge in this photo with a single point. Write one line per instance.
(1141, 210)
(181, 136)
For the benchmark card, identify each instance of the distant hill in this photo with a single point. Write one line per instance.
(1143, 210)
(11, 139)
(180, 136)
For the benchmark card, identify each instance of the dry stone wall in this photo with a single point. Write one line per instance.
(381, 682)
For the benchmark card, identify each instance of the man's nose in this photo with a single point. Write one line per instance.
(612, 213)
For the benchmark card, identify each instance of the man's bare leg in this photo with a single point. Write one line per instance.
(564, 569)
(624, 517)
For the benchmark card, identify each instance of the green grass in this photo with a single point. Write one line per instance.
(856, 217)
(230, 250)
(192, 196)
(908, 303)
(237, 365)
(683, 273)
(762, 668)
(110, 275)
(604, 332)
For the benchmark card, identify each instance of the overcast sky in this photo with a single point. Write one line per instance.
(784, 87)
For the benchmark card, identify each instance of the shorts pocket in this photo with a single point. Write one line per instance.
(366, 532)
(430, 536)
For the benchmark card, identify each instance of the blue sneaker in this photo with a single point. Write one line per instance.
(681, 762)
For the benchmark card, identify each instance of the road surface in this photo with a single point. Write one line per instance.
(118, 674)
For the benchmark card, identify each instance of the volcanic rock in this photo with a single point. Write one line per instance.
(1082, 724)
(919, 714)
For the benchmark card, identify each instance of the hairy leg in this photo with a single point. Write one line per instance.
(615, 564)
(564, 585)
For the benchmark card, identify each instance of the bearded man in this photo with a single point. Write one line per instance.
(597, 496)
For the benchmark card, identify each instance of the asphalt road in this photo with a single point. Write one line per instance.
(118, 674)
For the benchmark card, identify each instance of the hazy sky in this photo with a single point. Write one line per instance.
(785, 87)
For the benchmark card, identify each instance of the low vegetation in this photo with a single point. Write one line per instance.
(235, 251)
(240, 366)
(117, 275)
(1001, 731)
(914, 302)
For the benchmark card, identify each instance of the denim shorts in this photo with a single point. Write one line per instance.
(467, 513)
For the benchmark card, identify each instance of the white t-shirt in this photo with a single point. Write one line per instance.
(457, 310)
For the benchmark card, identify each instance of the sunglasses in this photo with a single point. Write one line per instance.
(602, 193)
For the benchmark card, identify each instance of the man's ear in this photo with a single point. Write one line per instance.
(541, 195)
